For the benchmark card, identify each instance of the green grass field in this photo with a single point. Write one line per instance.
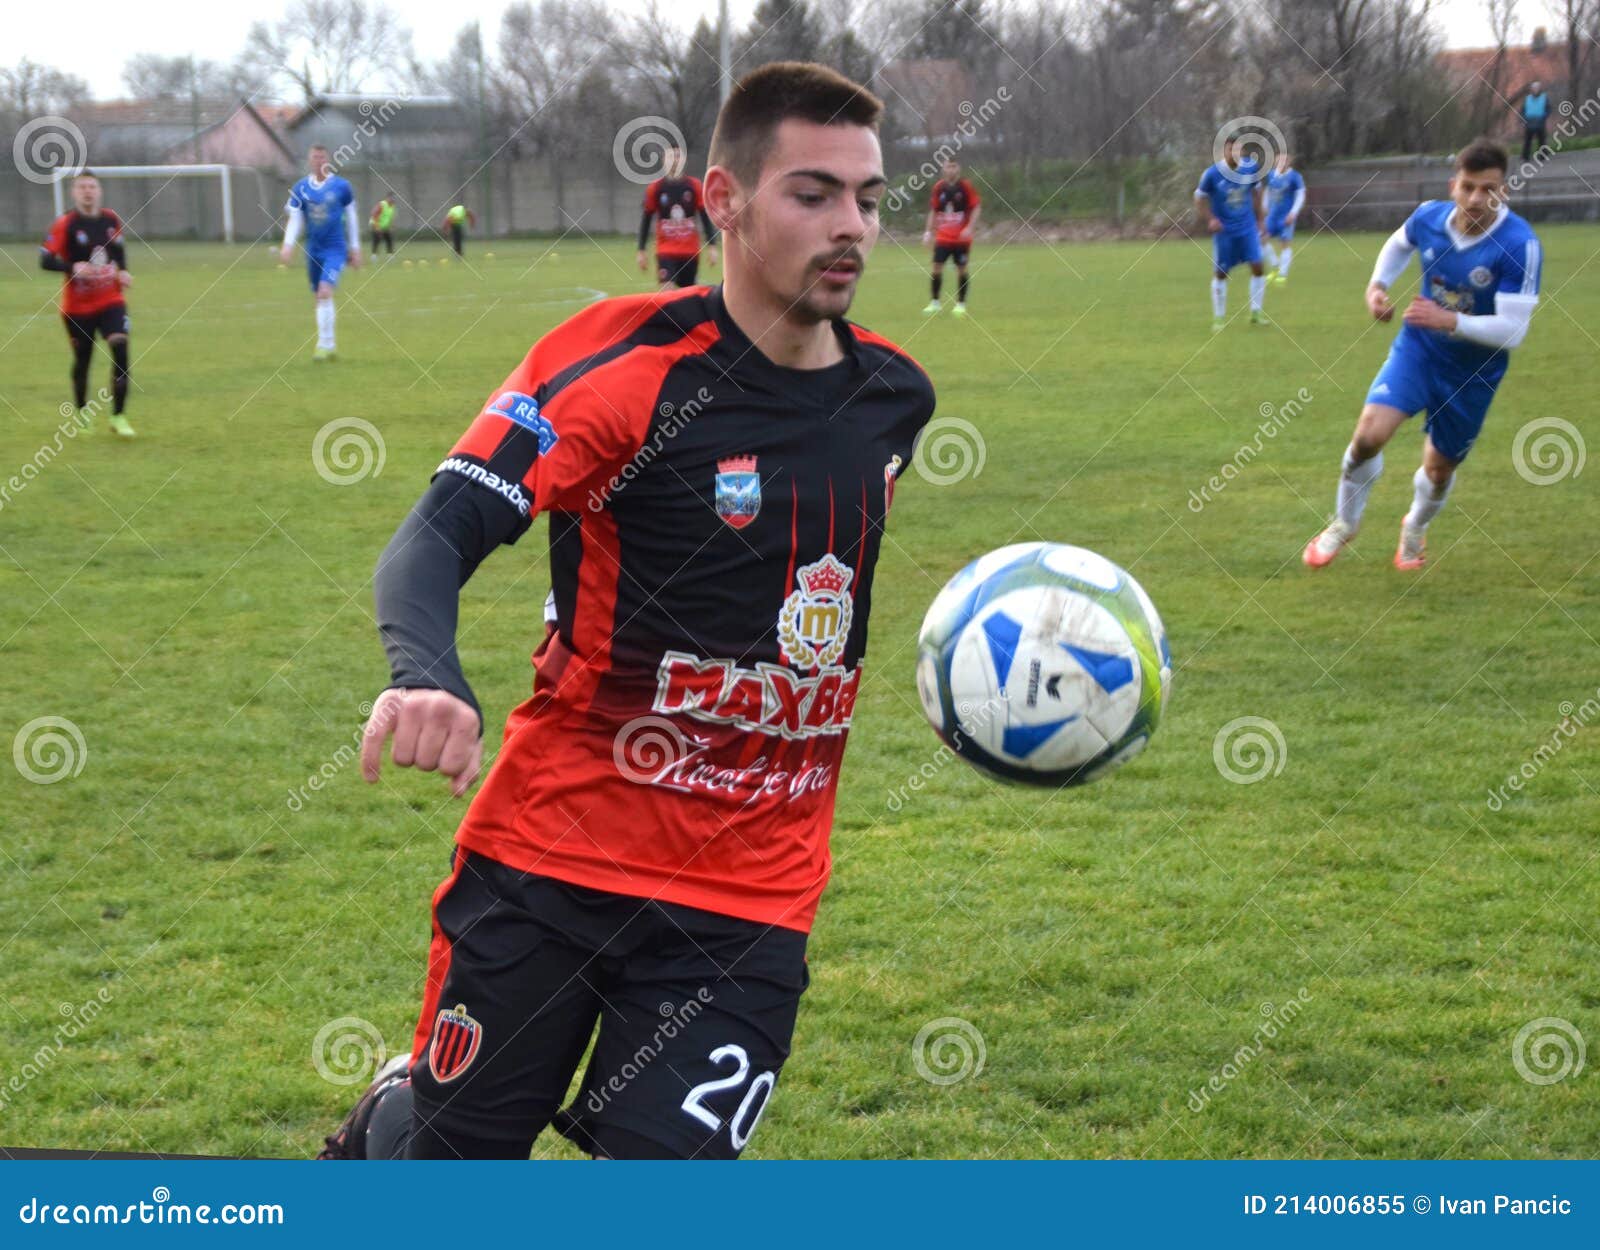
(1349, 944)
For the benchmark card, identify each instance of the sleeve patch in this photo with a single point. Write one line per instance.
(523, 410)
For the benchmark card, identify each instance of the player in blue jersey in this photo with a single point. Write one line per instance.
(1480, 284)
(1228, 201)
(1286, 196)
(322, 206)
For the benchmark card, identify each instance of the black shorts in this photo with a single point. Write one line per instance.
(108, 321)
(695, 1013)
(947, 251)
(678, 270)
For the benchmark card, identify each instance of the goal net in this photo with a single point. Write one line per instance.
(227, 202)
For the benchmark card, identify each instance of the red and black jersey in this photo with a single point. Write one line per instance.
(96, 241)
(677, 204)
(953, 204)
(714, 524)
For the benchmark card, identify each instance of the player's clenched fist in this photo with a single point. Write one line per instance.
(1378, 302)
(432, 729)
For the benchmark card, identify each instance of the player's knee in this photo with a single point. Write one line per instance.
(117, 340)
(1438, 471)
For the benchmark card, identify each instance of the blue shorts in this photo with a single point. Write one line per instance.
(1456, 403)
(1228, 250)
(325, 267)
(1280, 228)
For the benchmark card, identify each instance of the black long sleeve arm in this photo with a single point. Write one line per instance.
(417, 585)
(706, 227)
(117, 254)
(644, 228)
(49, 260)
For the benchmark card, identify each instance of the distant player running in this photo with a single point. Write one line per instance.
(953, 209)
(456, 220)
(676, 204)
(382, 219)
(86, 246)
(322, 206)
(1480, 285)
(1228, 201)
(1286, 196)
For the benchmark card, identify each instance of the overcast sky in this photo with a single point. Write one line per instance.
(175, 27)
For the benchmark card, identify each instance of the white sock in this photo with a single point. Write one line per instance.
(1283, 261)
(1219, 298)
(1355, 484)
(325, 324)
(1426, 499)
(1272, 255)
(1258, 291)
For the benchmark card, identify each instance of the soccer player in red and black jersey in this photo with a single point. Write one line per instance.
(648, 850)
(86, 246)
(953, 208)
(677, 205)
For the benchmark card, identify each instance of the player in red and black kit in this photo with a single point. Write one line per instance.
(86, 246)
(677, 205)
(648, 850)
(953, 209)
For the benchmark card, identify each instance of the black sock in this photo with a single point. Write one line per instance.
(961, 288)
(119, 376)
(938, 281)
(82, 352)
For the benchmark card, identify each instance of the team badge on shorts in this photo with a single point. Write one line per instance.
(456, 1038)
(738, 490)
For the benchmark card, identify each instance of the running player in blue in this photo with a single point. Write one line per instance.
(1228, 201)
(322, 206)
(1480, 284)
(1286, 196)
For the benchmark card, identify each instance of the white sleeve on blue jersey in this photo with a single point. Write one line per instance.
(1503, 329)
(1299, 198)
(352, 226)
(1393, 259)
(297, 223)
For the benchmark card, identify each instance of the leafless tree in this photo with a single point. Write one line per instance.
(330, 45)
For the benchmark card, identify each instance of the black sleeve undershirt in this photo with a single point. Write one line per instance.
(644, 227)
(417, 585)
(49, 260)
(117, 254)
(705, 225)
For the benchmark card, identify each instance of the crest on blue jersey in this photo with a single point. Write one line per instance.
(738, 490)
(523, 410)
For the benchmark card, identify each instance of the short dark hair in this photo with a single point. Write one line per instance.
(778, 92)
(86, 173)
(1482, 154)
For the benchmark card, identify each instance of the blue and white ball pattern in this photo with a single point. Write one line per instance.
(1044, 663)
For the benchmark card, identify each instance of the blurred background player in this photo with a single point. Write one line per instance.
(1228, 201)
(322, 206)
(457, 220)
(677, 205)
(382, 220)
(1286, 196)
(953, 208)
(86, 245)
(1480, 285)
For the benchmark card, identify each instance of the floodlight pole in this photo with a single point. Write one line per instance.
(724, 52)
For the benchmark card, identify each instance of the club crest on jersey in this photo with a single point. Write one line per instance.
(814, 622)
(738, 494)
(456, 1038)
(1481, 276)
(523, 410)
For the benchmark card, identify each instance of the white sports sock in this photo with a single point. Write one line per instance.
(1426, 499)
(1219, 298)
(325, 324)
(1355, 484)
(1272, 254)
(1283, 260)
(1258, 291)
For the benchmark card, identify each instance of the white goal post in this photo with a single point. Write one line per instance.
(225, 172)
